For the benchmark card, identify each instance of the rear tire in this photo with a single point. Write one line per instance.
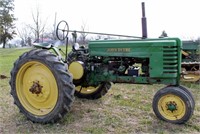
(41, 87)
(172, 104)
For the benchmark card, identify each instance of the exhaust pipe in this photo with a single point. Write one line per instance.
(144, 22)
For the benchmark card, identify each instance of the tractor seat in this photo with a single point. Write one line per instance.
(42, 45)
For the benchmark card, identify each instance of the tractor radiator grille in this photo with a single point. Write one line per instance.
(170, 60)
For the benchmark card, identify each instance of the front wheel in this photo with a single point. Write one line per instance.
(173, 105)
(41, 87)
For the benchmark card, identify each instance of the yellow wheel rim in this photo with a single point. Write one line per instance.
(86, 90)
(36, 88)
(171, 107)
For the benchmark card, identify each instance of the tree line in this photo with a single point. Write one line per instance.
(38, 29)
(27, 32)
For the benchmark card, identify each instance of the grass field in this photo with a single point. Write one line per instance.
(126, 108)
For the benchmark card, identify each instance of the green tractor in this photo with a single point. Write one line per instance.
(43, 83)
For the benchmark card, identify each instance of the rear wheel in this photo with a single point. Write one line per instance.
(41, 87)
(173, 104)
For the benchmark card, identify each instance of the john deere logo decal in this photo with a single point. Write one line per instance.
(118, 49)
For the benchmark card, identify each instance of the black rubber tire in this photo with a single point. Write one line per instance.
(189, 93)
(101, 91)
(183, 95)
(63, 79)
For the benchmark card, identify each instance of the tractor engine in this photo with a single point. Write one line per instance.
(90, 70)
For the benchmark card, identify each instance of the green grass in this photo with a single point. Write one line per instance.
(126, 108)
(7, 58)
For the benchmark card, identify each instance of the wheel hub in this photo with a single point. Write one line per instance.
(171, 106)
(36, 88)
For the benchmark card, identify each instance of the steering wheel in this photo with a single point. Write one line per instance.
(62, 30)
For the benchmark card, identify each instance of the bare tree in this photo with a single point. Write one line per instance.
(39, 25)
(83, 35)
(50, 32)
(25, 34)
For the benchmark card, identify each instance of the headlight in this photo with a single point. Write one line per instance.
(76, 46)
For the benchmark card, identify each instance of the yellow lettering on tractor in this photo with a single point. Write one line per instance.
(118, 49)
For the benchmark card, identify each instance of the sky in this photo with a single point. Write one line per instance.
(179, 18)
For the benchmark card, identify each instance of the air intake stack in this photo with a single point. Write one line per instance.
(144, 22)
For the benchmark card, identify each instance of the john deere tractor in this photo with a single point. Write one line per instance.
(43, 83)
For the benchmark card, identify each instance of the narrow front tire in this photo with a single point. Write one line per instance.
(172, 104)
